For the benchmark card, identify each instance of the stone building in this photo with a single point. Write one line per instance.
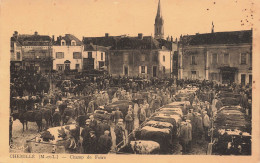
(67, 53)
(140, 56)
(224, 57)
(31, 52)
(95, 57)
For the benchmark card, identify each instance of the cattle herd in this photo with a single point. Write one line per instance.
(131, 115)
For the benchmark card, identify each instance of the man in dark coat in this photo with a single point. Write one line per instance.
(92, 123)
(100, 129)
(104, 143)
(129, 122)
(92, 143)
(85, 134)
(118, 115)
(120, 133)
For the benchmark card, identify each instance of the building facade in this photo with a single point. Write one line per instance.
(225, 57)
(67, 53)
(31, 52)
(140, 56)
(95, 57)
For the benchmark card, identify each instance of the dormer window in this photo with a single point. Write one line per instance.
(63, 43)
(73, 43)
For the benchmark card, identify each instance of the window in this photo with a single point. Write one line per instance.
(142, 58)
(59, 67)
(193, 61)
(73, 43)
(243, 58)
(125, 57)
(164, 58)
(163, 69)
(76, 55)
(59, 55)
(155, 58)
(77, 66)
(142, 69)
(214, 58)
(89, 54)
(193, 75)
(102, 56)
(63, 43)
(18, 56)
(226, 58)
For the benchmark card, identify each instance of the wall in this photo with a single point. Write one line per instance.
(68, 55)
(202, 52)
(136, 58)
(97, 57)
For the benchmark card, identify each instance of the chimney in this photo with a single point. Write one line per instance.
(15, 34)
(140, 36)
(212, 28)
(53, 38)
(171, 39)
(35, 33)
(106, 34)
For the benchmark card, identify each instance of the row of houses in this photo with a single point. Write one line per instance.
(119, 55)
(221, 56)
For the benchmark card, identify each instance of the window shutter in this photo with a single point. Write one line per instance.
(145, 69)
(140, 69)
(240, 58)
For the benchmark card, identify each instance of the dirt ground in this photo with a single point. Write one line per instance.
(20, 137)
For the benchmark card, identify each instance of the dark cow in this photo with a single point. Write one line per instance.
(29, 116)
(69, 113)
(47, 115)
(56, 119)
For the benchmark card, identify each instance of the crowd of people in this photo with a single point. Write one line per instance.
(78, 105)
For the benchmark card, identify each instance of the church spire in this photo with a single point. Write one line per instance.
(158, 25)
(159, 11)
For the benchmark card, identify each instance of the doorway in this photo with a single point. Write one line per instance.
(126, 70)
(154, 71)
(243, 79)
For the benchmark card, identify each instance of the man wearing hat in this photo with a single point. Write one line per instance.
(120, 132)
(189, 128)
(206, 123)
(85, 134)
(92, 123)
(184, 137)
(117, 115)
(104, 143)
(92, 143)
(129, 122)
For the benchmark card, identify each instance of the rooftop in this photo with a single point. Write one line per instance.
(233, 37)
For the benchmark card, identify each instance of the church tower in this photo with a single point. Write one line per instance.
(158, 25)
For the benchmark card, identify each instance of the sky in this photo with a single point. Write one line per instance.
(118, 17)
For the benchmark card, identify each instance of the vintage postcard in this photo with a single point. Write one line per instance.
(134, 80)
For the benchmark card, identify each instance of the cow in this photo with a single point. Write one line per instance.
(47, 115)
(29, 116)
